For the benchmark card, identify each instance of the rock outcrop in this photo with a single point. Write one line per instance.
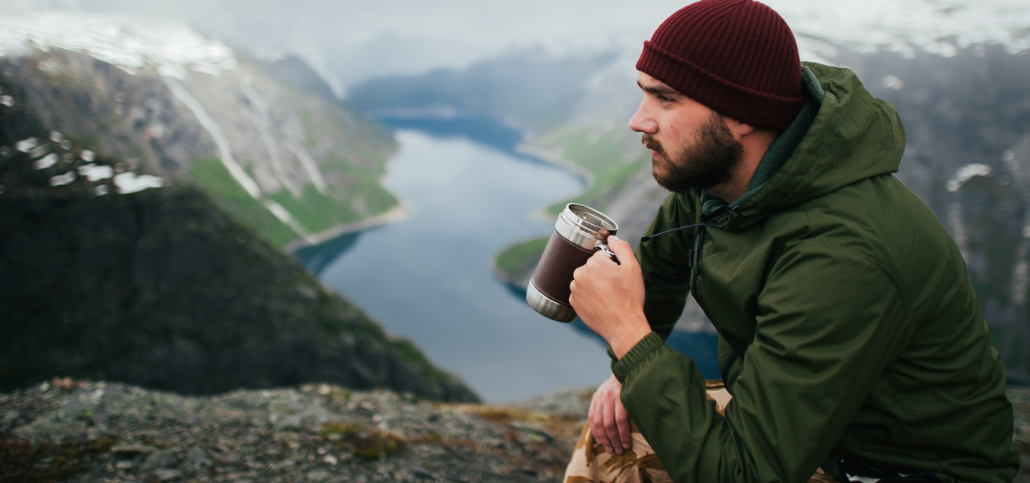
(65, 430)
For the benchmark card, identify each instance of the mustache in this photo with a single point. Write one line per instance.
(651, 143)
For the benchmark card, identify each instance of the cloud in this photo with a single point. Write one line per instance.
(348, 40)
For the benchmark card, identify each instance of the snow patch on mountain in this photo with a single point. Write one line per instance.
(936, 26)
(966, 173)
(129, 182)
(127, 41)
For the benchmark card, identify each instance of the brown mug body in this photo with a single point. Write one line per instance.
(577, 233)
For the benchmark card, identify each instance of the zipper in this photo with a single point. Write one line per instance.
(699, 240)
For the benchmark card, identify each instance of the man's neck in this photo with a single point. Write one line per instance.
(755, 146)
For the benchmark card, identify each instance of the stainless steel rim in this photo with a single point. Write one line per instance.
(581, 225)
(547, 307)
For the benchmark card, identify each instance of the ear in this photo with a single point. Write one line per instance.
(737, 128)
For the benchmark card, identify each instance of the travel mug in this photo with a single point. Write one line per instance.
(579, 232)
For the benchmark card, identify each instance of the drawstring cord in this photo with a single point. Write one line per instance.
(699, 237)
(666, 232)
(730, 211)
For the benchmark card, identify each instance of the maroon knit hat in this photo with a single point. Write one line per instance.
(738, 57)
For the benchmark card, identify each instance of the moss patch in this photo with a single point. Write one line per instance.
(368, 445)
(22, 460)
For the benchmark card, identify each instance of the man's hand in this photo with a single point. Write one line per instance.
(609, 297)
(607, 418)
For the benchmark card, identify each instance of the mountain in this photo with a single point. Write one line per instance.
(120, 278)
(261, 138)
(495, 88)
(145, 190)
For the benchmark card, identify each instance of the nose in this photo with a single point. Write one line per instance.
(642, 121)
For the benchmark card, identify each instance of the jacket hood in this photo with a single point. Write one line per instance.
(854, 136)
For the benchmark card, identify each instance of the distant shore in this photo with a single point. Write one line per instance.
(395, 214)
(556, 158)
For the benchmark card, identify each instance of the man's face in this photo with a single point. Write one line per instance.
(691, 147)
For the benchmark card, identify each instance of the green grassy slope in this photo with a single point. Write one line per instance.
(362, 197)
(214, 178)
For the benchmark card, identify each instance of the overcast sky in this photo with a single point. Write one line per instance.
(352, 40)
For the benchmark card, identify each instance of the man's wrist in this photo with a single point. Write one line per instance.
(640, 352)
(629, 336)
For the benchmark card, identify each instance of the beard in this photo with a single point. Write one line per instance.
(710, 161)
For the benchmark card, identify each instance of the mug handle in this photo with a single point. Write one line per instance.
(600, 245)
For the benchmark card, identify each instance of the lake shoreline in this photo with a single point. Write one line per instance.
(395, 214)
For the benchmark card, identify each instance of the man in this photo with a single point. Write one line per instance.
(850, 337)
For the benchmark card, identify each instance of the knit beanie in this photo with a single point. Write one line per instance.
(737, 57)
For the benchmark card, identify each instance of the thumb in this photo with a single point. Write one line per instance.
(622, 249)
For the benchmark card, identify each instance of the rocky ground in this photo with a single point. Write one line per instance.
(65, 430)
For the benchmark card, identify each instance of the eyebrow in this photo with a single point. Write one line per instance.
(663, 90)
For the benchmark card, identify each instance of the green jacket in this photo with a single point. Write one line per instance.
(848, 327)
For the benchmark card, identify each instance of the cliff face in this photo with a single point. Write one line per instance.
(160, 288)
(262, 139)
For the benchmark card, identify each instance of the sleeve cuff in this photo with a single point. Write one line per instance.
(640, 352)
(611, 354)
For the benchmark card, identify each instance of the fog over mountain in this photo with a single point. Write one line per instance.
(350, 41)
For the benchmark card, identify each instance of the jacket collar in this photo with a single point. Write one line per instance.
(842, 135)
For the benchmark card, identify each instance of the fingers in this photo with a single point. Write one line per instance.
(622, 421)
(622, 249)
(596, 419)
(612, 430)
(608, 420)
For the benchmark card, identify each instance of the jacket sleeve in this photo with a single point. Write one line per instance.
(663, 262)
(830, 320)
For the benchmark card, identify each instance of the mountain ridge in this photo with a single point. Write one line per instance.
(165, 100)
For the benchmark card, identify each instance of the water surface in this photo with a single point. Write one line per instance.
(428, 278)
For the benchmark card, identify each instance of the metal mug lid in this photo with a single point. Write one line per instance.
(588, 220)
